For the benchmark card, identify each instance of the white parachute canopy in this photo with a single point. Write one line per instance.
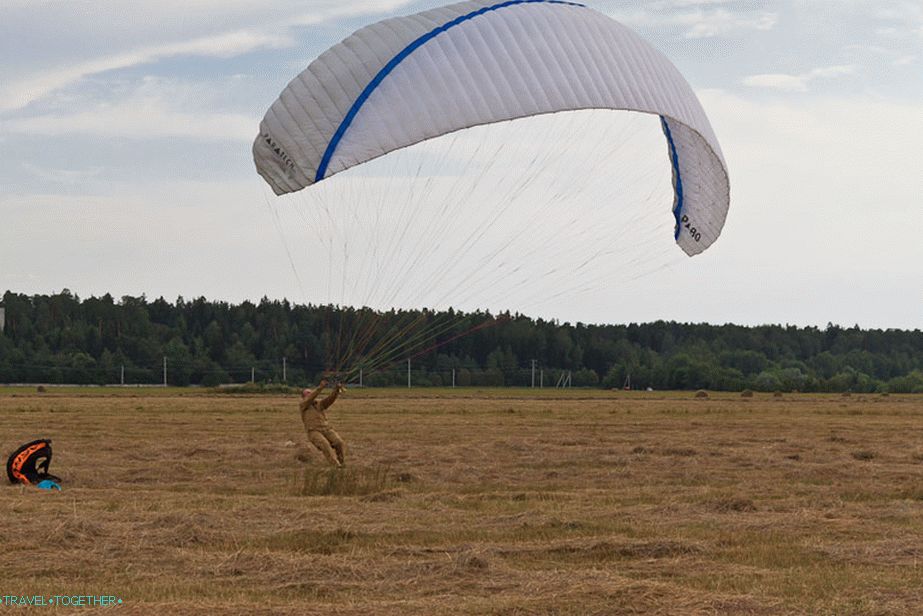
(409, 79)
(480, 156)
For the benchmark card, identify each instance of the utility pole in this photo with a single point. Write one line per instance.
(164, 371)
(408, 373)
(563, 381)
(284, 373)
(533, 374)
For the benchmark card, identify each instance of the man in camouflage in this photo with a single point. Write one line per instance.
(314, 418)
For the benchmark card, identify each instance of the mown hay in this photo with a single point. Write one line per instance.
(348, 481)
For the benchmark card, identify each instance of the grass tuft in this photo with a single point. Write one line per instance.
(679, 451)
(733, 504)
(343, 481)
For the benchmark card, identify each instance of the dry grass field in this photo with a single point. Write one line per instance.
(471, 502)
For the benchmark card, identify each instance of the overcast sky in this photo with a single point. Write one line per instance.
(125, 150)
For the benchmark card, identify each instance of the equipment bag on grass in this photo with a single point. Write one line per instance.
(29, 464)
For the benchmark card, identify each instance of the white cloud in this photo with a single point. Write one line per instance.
(905, 11)
(665, 5)
(877, 55)
(721, 22)
(278, 20)
(337, 9)
(823, 208)
(833, 71)
(151, 119)
(778, 81)
(840, 157)
(800, 82)
(682, 3)
(873, 49)
(903, 18)
(21, 94)
(67, 177)
(153, 108)
(700, 22)
(171, 239)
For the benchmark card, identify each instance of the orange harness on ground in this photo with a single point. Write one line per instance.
(29, 464)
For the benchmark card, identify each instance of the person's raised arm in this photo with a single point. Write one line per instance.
(326, 402)
(311, 397)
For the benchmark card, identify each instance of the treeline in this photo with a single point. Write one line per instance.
(64, 339)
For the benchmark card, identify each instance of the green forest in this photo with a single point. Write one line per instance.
(62, 338)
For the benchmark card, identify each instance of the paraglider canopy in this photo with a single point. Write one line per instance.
(409, 79)
(474, 156)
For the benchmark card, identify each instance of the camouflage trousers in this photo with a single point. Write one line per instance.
(330, 444)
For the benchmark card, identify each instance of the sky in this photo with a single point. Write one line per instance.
(125, 162)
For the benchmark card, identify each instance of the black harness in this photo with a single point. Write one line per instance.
(29, 464)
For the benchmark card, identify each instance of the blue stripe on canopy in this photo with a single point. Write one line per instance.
(400, 57)
(677, 177)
